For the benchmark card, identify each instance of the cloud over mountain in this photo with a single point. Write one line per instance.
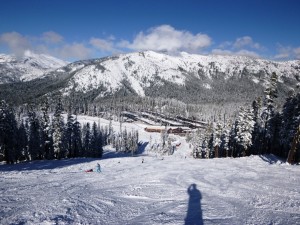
(167, 38)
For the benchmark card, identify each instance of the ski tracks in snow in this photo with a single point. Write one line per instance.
(229, 191)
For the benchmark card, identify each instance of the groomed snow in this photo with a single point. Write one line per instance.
(250, 190)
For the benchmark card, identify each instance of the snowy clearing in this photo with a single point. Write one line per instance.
(250, 190)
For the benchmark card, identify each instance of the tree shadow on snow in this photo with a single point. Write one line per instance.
(142, 147)
(194, 212)
(272, 159)
(45, 164)
(108, 154)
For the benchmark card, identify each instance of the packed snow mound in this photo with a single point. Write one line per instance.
(28, 67)
(169, 190)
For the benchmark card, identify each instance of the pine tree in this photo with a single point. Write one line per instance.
(77, 141)
(69, 135)
(217, 139)
(46, 131)
(224, 146)
(196, 142)
(110, 135)
(289, 127)
(209, 133)
(258, 129)
(271, 93)
(232, 139)
(94, 142)
(34, 138)
(8, 131)
(87, 140)
(57, 126)
(204, 148)
(292, 156)
(22, 143)
(244, 129)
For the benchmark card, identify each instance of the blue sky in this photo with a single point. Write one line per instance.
(78, 29)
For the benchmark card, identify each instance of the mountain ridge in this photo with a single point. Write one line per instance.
(187, 77)
(28, 67)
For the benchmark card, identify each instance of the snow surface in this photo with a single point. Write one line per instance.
(250, 190)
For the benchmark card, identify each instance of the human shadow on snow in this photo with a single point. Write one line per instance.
(194, 212)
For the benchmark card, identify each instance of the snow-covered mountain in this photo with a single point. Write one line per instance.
(30, 66)
(144, 70)
(186, 77)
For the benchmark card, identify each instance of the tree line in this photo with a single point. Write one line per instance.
(258, 129)
(41, 134)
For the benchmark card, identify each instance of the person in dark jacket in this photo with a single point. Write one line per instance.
(98, 168)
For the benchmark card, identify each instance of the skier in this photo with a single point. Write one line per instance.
(98, 168)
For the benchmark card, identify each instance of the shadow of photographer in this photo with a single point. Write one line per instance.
(194, 212)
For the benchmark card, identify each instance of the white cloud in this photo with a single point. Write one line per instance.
(52, 37)
(16, 42)
(287, 52)
(242, 52)
(47, 43)
(244, 46)
(225, 44)
(74, 51)
(245, 41)
(297, 53)
(102, 44)
(167, 38)
(218, 51)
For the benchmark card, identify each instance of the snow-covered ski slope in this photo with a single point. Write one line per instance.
(247, 190)
(250, 190)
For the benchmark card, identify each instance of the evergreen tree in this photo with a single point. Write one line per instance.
(258, 129)
(22, 143)
(210, 144)
(232, 139)
(204, 148)
(244, 129)
(46, 131)
(34, 138)
(196, 142)
(217, 139)
(271, 93)
(289, 127)
(69, 134)
(8, 131)
(224, 146)
(77, 142)
(87, 140)
(57, 126)
(96, 142)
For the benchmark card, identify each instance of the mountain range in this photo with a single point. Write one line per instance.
(186, 77)
(28, 67)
